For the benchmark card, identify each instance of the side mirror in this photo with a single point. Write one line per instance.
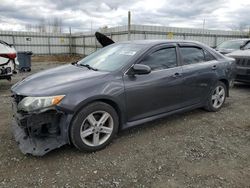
(140, 69)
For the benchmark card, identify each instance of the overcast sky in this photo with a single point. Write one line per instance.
(79, 14)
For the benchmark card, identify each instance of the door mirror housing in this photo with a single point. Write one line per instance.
(140, 69)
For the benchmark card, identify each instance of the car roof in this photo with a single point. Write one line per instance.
(150, 42)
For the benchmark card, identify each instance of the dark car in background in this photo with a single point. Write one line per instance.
(242, 58)
(233, 45)
(120, 86)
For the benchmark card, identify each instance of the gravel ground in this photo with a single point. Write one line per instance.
(194, 149)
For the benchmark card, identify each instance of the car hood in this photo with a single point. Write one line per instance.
(240, 53)
(225, 51)
(59, 80)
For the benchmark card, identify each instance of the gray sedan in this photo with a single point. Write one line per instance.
(122, 85)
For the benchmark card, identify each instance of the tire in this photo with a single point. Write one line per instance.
(97, 120)
(218, 93)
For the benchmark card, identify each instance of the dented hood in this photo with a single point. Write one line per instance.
(59, 80)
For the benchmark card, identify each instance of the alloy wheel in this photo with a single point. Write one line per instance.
(96, 128)
(218, 97)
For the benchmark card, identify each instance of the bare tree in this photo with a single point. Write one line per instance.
(239, 27)
(103, 29)
(28, 27)
(57, 25)
(42, 26)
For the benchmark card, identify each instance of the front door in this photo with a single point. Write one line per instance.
(158, 91)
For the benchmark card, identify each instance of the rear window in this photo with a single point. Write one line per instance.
(191, 55)
(161, 59)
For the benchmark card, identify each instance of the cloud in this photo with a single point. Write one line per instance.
(80, 15)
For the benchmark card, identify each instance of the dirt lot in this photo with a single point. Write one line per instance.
(194, 149)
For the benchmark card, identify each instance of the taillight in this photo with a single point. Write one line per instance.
(10, 56)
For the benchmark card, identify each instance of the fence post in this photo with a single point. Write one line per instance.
(49, 45)
(129, 25)
(111, 35)
(95, 43)
(13, 40)
(215, 40)
(70, 41)
(83, 40)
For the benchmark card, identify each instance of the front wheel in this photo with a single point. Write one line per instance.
(94, 127)
(217, 97)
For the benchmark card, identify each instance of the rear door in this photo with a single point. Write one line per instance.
(158, 91)
(199, 73)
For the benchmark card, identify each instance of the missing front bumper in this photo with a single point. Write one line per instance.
(32, 145)
(37, 134)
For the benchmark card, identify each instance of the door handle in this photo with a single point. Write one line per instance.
(177, 74)
(214, 67)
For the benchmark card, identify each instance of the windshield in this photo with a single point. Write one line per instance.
(112, 57)
(233, 44)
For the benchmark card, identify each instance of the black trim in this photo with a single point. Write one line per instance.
(6, 63)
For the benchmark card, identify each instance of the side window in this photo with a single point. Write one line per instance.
(208, 56)
(191, 55)
(161, 59)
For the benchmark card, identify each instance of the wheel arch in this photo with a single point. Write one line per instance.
(104, 99)
(226, 82)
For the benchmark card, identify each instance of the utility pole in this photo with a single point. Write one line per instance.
(203, 30)
(129, 25)
(70, 41)
(91, 27)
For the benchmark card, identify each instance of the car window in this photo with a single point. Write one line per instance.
(161, 59)
(208, 56)
(231, 44)
(191, 55)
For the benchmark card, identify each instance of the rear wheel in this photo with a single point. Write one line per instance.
(217, 97)
(94, 127)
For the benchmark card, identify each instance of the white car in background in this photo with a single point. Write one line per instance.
(8, 60)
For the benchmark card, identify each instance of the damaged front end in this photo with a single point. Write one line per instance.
(40, 131)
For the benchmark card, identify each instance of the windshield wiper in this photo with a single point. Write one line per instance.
(88, 66)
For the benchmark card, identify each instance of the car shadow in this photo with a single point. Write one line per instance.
(240, 85)
(70, 150)
(159, 122)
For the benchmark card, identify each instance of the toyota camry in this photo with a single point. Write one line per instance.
(124, 84)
